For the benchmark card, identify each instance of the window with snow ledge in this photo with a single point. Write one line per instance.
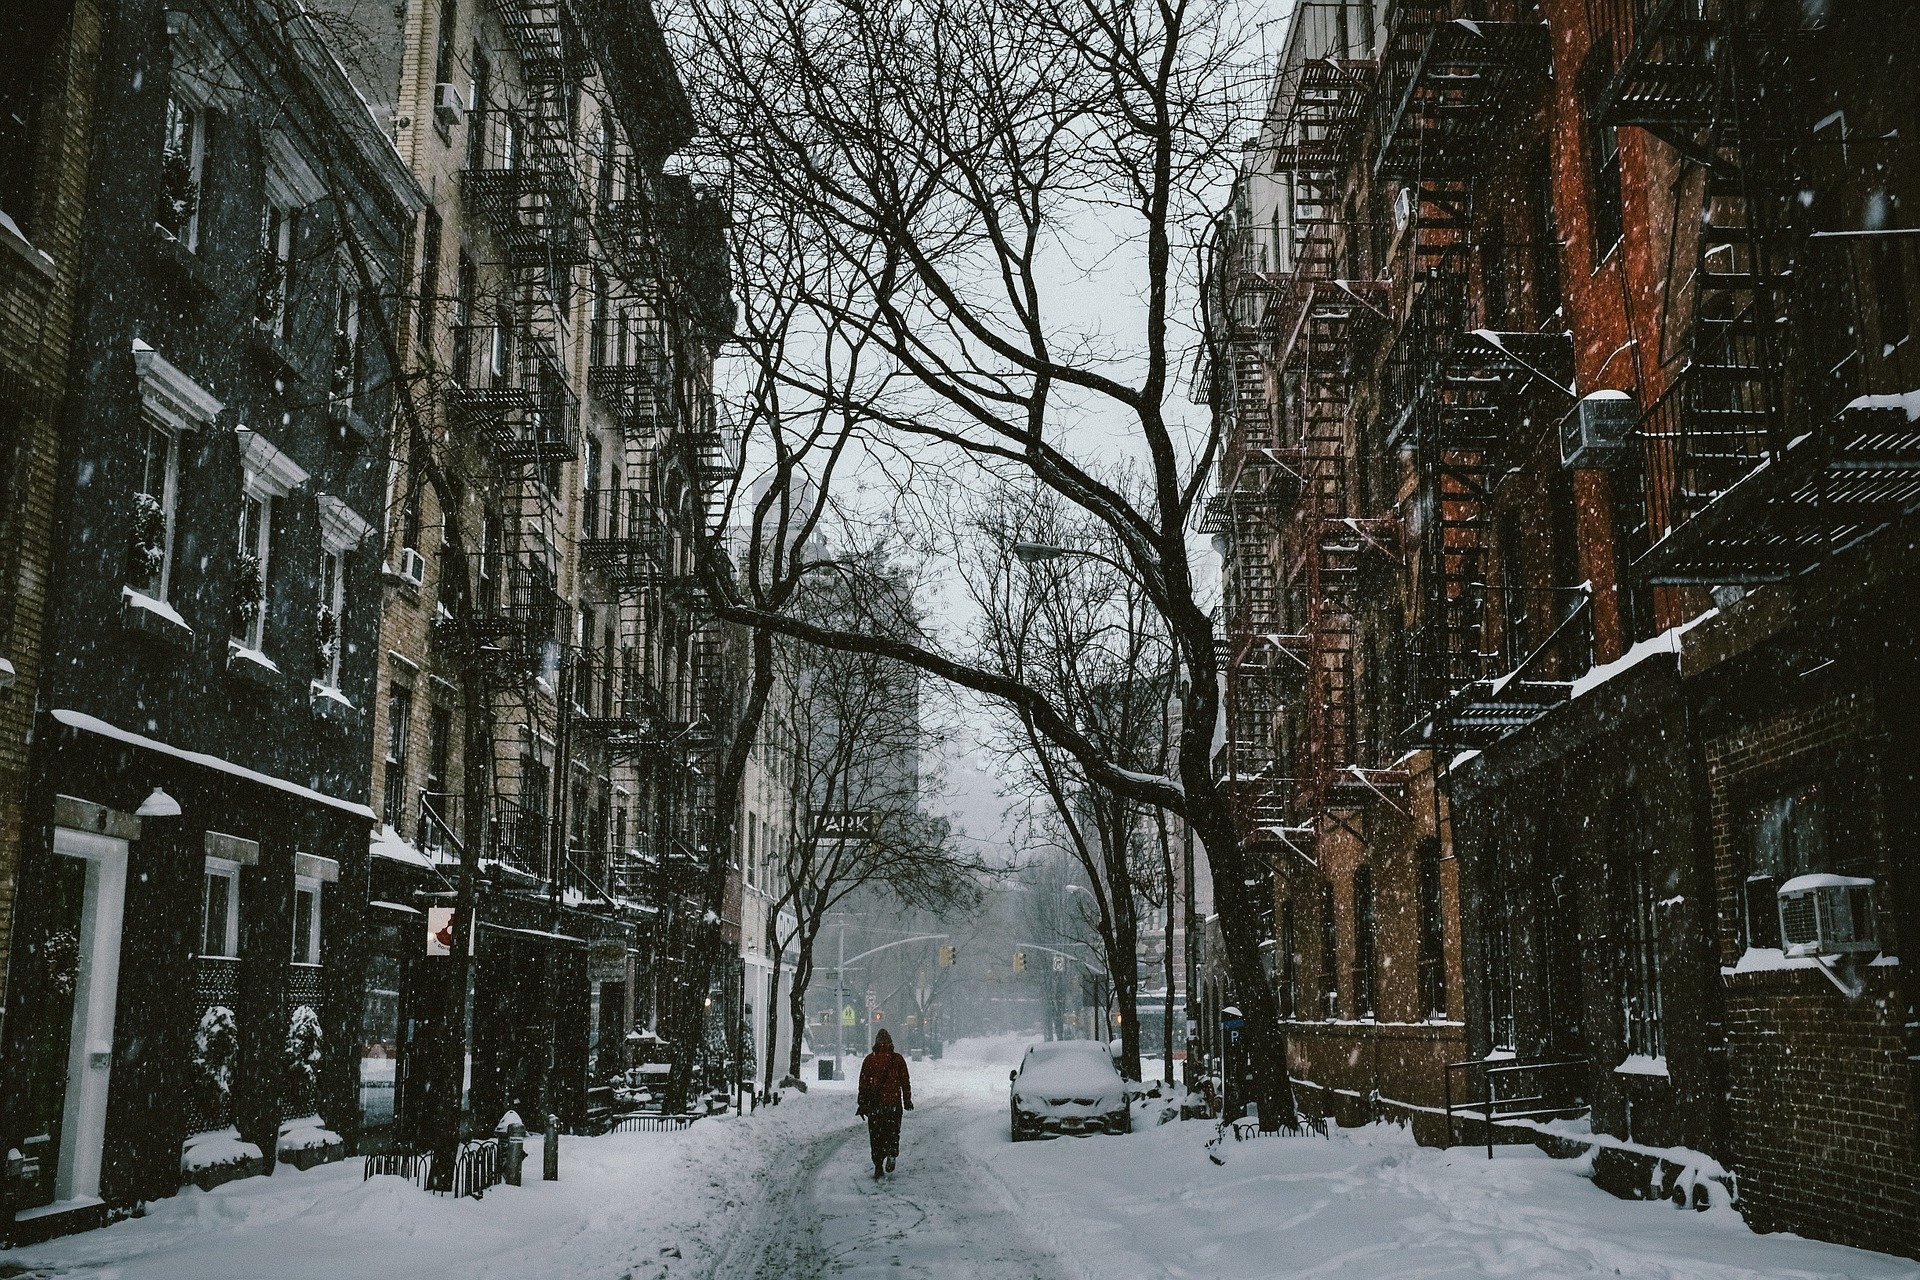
(342, 530)
(268, 475)
(171, 404)
(306, 920)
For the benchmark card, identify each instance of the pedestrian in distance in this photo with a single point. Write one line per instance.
(886, 1091)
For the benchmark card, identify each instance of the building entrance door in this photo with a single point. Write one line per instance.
(71, 1058)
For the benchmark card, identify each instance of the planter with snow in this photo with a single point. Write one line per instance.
(219, 1156)
(307, 1141)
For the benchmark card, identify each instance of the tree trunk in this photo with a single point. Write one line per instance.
(797, 1003)
(773, 1000)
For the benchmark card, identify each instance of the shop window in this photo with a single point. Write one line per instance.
(306, 921)
(1813, 827)
(220, 910)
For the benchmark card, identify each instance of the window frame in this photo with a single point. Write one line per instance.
(307, 886)
(227, 870)
(160, 583)
(260, 535)
(193, 114)
(395, 751)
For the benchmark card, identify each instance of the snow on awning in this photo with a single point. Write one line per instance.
(93, 724)
(387, 843)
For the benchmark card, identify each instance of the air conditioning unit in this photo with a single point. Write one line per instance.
(1597, 432)
(1827, 915)
(448, 108)
(413, 565)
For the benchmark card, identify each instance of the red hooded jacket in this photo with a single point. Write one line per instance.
(883, 1078)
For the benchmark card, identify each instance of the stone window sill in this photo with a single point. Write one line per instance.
(330, 704)
(274, 352)
(155, 619)
(182, 263)
(253, 666)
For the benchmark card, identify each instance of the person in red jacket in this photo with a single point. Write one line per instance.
(885, 1092)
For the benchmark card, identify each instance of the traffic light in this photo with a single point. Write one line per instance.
(1019, 962)
(946, 954)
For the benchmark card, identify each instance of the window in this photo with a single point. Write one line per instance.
(1329, 957)
(466, 287)
(1433, 969)
(430, 236)
(1799, 831)
(439, 749)
(348, 371)
(1497, 969)
(332, 617)
(1289, 962)
(279, 236)
(182, 154)
(29, 33)
(152, 568)
(399, 733)
(1545, 237)
(1602, 144)
(478, 103)
(1890, 292)
(1636, 902)
(1364, 993)
(306, 921)
(220, 910)
(443, 47)
(250, 557)
(1493, 272)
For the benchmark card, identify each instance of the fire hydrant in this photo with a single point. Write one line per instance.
(512, 1134)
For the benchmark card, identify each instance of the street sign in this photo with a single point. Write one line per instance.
(873, 999)
(439, 931)
(847, 1018)
(1059, 964)
(946, 955)
(1019, 962)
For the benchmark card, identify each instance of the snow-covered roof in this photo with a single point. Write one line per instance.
(93, 724)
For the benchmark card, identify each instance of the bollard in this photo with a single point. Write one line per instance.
(550, 1151)
(513, 1146)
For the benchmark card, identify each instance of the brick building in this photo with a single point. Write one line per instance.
(188, 973)
(1572, 345)
(551, 697)
(46, 125)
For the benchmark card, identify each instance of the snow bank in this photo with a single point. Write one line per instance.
(308, 1133)
(215, 1149)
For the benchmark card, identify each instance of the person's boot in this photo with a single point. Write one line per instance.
(877, 1171)
(891, 1161)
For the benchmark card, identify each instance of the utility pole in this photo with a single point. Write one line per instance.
(839, 998)
(556, 867)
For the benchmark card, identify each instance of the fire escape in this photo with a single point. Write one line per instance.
(1786, 439)
(1458, 387)
(510, 395)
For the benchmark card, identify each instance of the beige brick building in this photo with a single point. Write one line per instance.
(45, 139)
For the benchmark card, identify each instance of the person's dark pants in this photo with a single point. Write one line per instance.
(883, 1132)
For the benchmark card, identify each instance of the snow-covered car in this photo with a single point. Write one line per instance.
(1068, 1086)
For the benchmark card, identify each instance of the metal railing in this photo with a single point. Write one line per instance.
(477, 1167)
(653, 1122)
(1511, 1089)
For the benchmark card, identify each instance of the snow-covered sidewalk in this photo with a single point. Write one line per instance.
(787, 1193)
(643, 1205)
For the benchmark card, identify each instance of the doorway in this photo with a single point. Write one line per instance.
(71, 1059)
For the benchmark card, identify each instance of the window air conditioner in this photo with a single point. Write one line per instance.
(448, 109)
(413, 565)
(1596, 433)
(1827, 915)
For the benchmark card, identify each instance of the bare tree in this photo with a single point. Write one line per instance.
(947, 164)
(857, 786)
(1077, 627)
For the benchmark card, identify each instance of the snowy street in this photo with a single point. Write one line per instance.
(788, 1193)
